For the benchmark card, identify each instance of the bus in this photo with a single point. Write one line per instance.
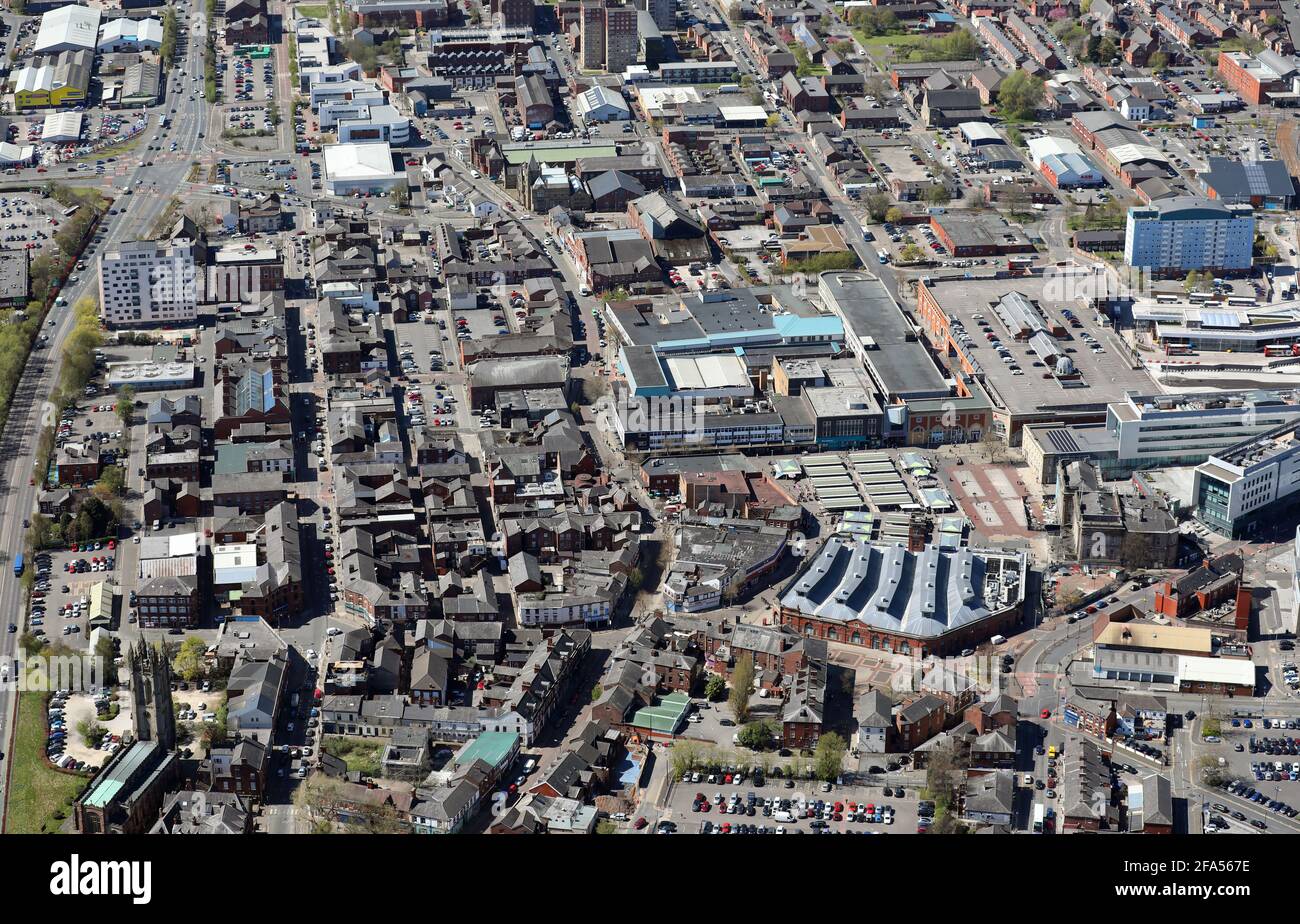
(18, 565)
(1282, 349)
(1039, 810)
(70, 210)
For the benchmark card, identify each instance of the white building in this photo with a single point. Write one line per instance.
(69, 28)
(1185, 233)
(124, 34)
(360, 169)
(332, 111)
(1159, 430)
(375, 123)
(15, 154)
(480, 206)
(61, 127)
(149, 283)
(1250, 485)
(1045, 146)
(600, 104)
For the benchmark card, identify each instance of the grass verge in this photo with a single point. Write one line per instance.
(37, 793)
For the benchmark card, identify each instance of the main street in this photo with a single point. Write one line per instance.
(141, 195)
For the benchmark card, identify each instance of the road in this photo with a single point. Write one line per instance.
(141, 196)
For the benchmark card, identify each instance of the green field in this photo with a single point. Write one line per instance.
(361, 754)
(36, 792)
(314, 10)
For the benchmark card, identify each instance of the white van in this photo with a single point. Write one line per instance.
(786, 817)
(998, 639)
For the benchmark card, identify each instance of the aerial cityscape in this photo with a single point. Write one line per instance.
(649, 417)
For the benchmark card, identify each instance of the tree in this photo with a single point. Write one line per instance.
(363, 54)
(715, 688)
(910, 253)
(938, 195)
(774, 120)
(596, 692)
(1020, 95)
(401, 196)
(319, 799)
(944, 771)
(828, 757)
(958, 45)
(1193, 282)
(757, 736)
(1016, 198)
(1092, 49)
(125, 403)
(188, 663)
(875, 21)
(803, 62)
(91, 732)
(1158, 62)
(894, 215)
(111, 482)
(168, 50)
(742, 685)
(878, 206)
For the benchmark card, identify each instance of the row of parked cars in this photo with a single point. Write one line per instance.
(1246, 791)
(1275, 771)
(1278, 746)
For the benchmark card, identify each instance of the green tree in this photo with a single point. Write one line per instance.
(40, 534)
(828, 757)
(188, 662)
(958, 45)
(878, 206)
(715, 688)
(803, 62)
(363, 54)
(894, 215)
(91, 732)
(938, 195)
(875, 21)
(1158, 62)
(757, 736)
(1020, 95)
(111, 482)
(125, 403)
(742, 686)
(168, 50)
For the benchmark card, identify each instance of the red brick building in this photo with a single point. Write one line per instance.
(1212, 583)
(1251, 80)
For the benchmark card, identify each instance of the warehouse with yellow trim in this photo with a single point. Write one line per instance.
(61, 81)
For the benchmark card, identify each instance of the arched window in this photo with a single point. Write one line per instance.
(857, 638)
